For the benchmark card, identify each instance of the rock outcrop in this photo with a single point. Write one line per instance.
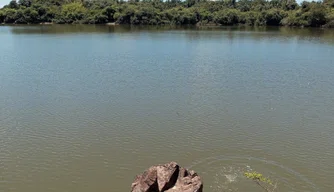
(167, 178)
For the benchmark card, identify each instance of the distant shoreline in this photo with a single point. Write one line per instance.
(172, 12)
(196, 25)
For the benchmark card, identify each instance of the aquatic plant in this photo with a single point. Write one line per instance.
(264, 182)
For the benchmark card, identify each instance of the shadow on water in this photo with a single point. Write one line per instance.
(323, 35)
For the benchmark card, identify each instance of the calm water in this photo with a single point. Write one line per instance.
(86, 108)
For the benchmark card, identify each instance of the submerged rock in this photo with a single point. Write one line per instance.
(169, 177)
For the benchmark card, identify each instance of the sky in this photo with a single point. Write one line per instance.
(5, 2)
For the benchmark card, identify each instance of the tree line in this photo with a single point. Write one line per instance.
(171, 12)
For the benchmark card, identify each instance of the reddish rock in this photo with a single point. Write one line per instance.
(146, 182)
(167, 178)
(167, 175)
(190, 182)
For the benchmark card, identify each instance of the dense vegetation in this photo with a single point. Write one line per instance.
(171, 12)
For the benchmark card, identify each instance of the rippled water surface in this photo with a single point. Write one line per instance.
(86, 108)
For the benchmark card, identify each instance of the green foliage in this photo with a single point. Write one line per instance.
(72, 12)
(329, 3)
(264, 182)
(10, 15)
(258, 177)
(227, 17)
(2, 16)
(13, 4)
(294, 19)
(171, 12)
(244, 5)
(316, 16)
(330, 16)
(26, 3)
(248, 18)
(28, 15)
(289, 5)
(274, 16)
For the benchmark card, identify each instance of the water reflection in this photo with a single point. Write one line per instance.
(193, 32)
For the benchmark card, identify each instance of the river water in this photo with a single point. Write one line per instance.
(86, 108)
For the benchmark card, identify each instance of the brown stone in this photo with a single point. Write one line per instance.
(188, 181)
(167, 175)
(167, 178)
(146, 182)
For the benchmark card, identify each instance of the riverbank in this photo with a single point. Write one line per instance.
(198, 25)
(251, 13)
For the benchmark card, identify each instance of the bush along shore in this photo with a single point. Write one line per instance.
(171, 12)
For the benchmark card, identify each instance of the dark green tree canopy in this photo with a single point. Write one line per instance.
(171, 12)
